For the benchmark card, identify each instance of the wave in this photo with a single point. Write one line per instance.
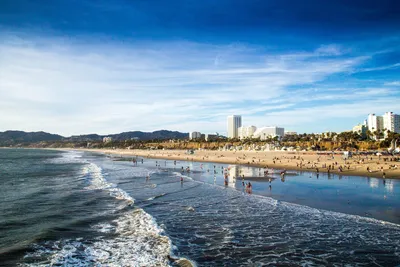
(158, 196)
(98, 182)
(133, 239)
(298, 207)
(67, 157)
(178, 174)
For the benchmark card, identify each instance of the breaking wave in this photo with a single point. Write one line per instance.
(133, 239)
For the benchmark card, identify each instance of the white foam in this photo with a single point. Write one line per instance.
(67, 157)
(182, 175)
(139, 241)
(104, 227)
(98, 182)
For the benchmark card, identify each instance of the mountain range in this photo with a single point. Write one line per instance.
(14, 137)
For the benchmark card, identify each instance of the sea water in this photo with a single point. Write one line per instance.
(87, 209)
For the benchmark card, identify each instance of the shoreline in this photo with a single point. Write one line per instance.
(284, 160)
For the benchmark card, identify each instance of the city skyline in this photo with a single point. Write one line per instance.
(107, 67)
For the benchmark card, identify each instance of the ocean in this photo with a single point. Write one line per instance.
(74, 208)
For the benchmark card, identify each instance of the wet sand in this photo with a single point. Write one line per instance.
(371, 165)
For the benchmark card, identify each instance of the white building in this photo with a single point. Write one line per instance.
(107, 139)
(234, 122)
(391, 122)
(375, 123)
(265, 132)
(194, 135)
(246, 131)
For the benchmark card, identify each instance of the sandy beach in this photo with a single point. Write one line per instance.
(363, 165)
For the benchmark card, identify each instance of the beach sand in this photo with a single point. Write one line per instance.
(302, 161)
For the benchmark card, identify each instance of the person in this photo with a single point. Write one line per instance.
(147, 177)
(250, 188)
(181, 179)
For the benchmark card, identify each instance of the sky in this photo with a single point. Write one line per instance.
(83, 66)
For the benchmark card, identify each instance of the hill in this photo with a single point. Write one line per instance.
(13, 137)
(18, 137)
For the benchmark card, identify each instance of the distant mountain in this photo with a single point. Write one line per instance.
(12, 137)
(17, 137)
(86, 137)
(161, 135)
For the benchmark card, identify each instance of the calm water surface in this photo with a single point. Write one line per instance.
(86, 209)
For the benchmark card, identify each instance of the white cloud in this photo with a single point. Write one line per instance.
(395, 83)
(71, 87)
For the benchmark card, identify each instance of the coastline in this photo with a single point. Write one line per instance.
(297, 161)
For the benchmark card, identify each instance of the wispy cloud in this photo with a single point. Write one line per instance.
(391, 66)
(395, 83)
(70, 87)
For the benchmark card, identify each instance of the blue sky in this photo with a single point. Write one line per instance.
(79, 66)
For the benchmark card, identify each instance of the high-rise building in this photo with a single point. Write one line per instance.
(375, 123)
(246, 131)
(234, 122)
(194, 135)
(391, 122)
